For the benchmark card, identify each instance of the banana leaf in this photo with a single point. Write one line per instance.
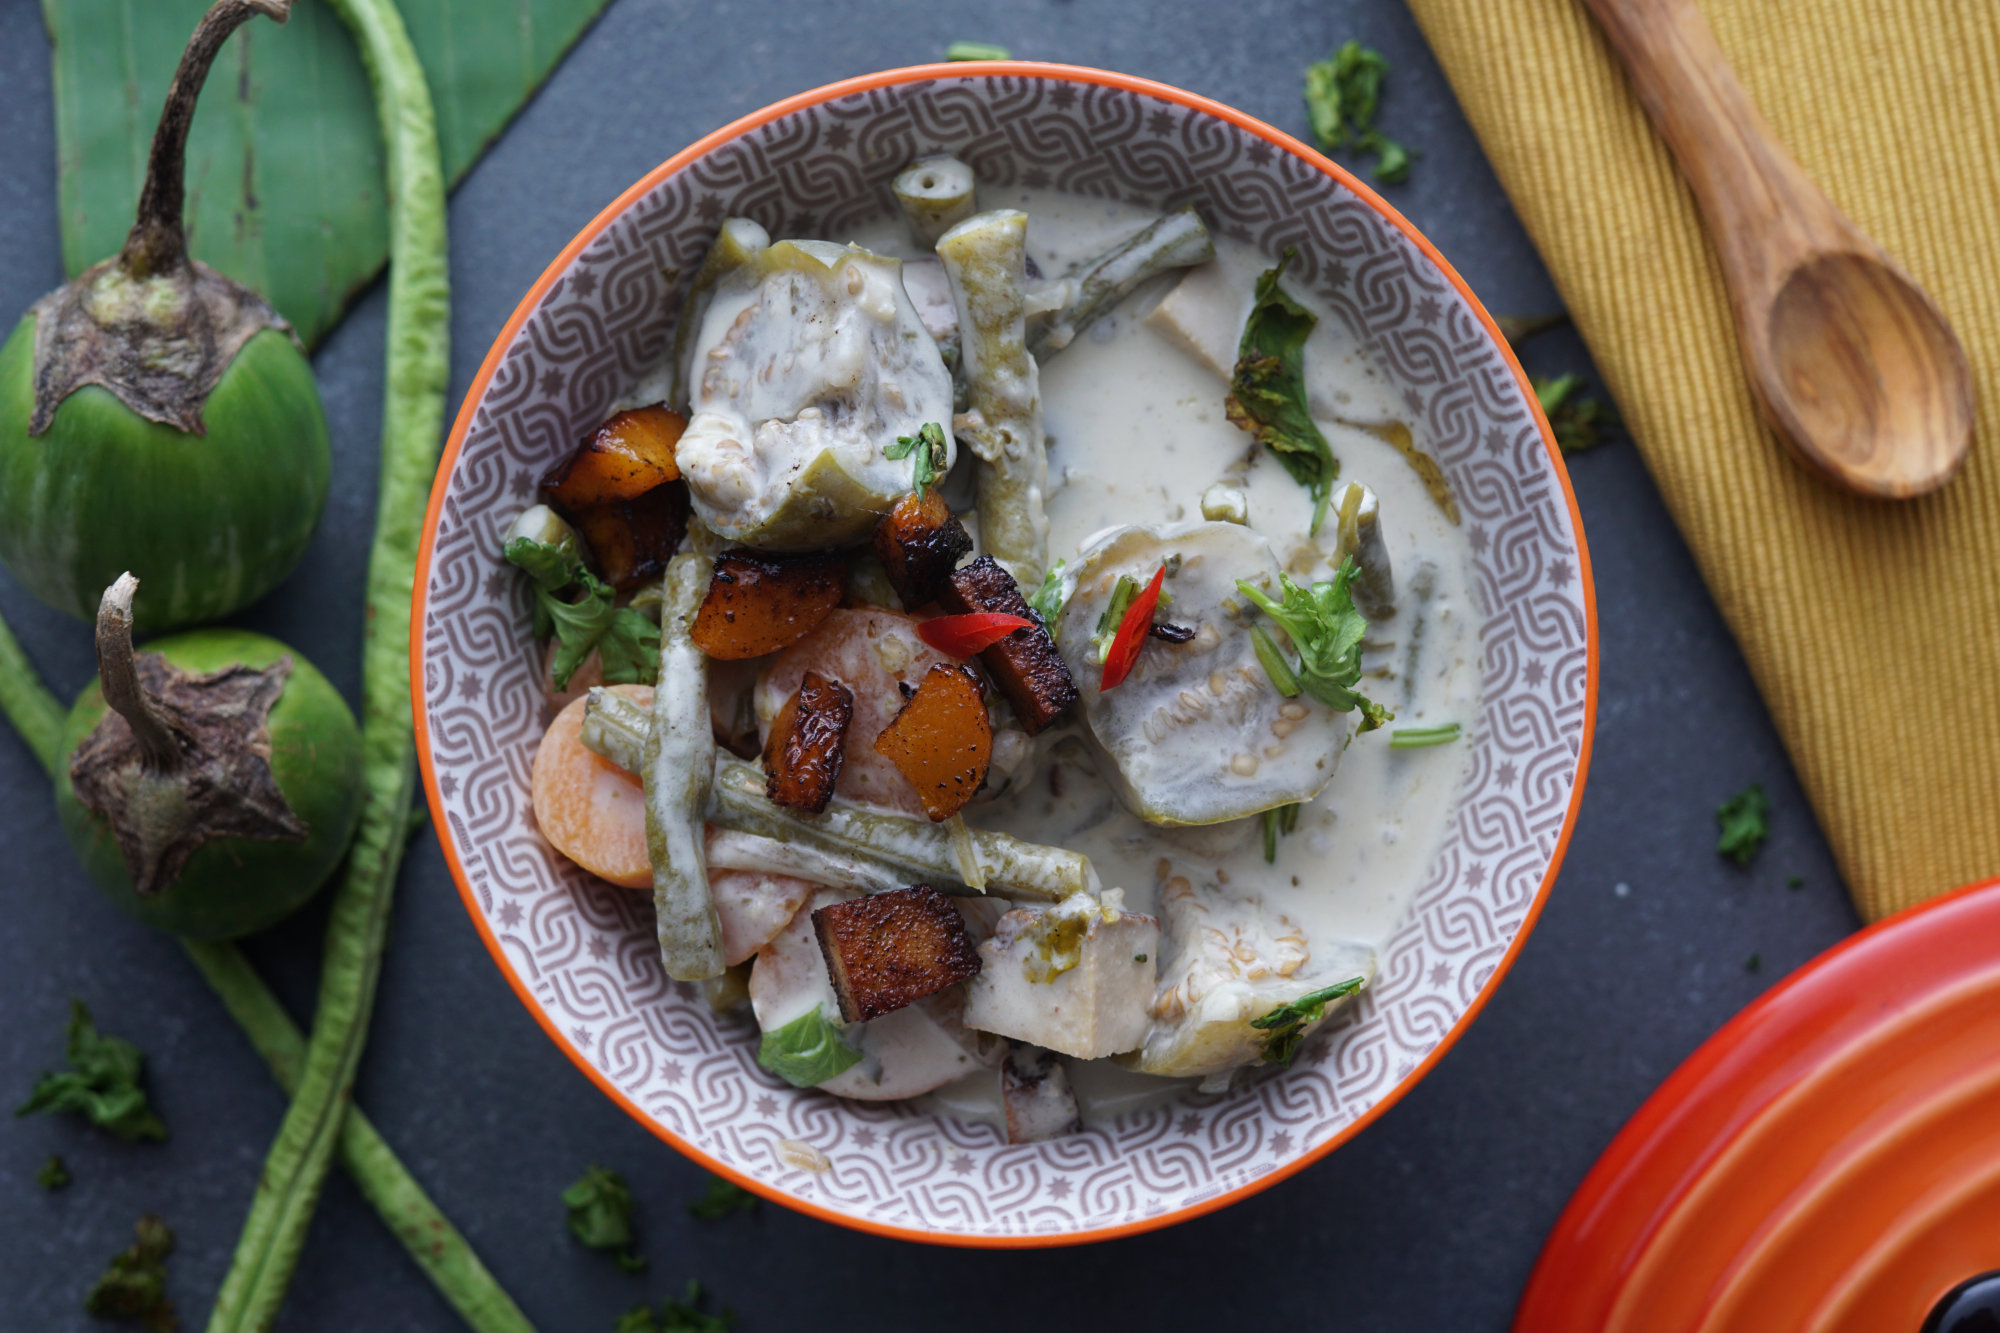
(284, 179)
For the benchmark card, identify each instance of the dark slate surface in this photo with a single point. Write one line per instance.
(1432, 1218)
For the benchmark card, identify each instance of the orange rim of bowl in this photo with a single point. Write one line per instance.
(691, 154)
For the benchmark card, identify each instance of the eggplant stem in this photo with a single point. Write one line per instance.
(157, 242)
(118, 670)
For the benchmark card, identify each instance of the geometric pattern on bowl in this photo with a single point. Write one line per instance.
(582, 955)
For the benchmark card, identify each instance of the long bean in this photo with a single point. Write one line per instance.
(935, 194)
(986, 257)
(677, 766)
(1178, 240)
(426, 1233)
(412, 425)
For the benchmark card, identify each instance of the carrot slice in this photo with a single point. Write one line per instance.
(942, 741)
(591, 810)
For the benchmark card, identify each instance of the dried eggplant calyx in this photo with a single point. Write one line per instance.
(181, 759)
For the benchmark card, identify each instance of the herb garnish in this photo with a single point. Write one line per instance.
(1267, 392)
(683, 1316)
(807, 1051)
(1745, 820)
(928, 445)
(101, 1084)
(1575, 421)
(1277, 822)
(1287, 1023)
(135, 1285)
(1754, 963)
(1048, 599)
(977, 51)
(627, 642)
(1326, 630)
(1341, 96)
(600, 1208)
(54, 1174)
(1416, 738)
(1122, 593)
(723, 1198)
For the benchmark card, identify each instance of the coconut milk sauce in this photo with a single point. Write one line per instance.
(1136, 432)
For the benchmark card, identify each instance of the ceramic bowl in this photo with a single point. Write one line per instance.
(581, 953)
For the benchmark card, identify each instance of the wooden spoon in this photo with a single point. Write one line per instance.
(1852, 361)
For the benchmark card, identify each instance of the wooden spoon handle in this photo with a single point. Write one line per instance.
(1763, 212)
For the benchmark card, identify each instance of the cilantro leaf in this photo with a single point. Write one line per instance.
(101, 1084)
(1326, 631)
(1048, 599)
(928, 446)
(600, 1208)
(54, 1174)
(1573, 420)
(1267, 392)
(1745, 820)
(135, 1285)
(1288, 1022)
(807, 1051)
(627, 642)
(1342, 93)
(723, 1199)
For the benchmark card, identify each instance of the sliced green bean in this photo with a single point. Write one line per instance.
(732, 849)
(412, 427)
(1178, 240)
(734, 244)
(437, 1246)
(986, 258)
(677, 766)
(887, 850)
(935, 194)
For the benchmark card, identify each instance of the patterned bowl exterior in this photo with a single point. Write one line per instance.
(581, 953)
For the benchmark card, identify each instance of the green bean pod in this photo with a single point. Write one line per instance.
(935, 194)
(678, 764)
(985, 258)
(1178, 240)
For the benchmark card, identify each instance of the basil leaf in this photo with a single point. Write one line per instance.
(807, 1051)
(1267, 392)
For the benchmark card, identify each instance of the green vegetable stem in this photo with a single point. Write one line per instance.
(412, 423)
(157, 417)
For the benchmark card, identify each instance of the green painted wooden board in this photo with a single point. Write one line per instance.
(284, 182)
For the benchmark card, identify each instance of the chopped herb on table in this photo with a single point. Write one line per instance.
(1326, 631)
(1754, 963)
(1745, 820)
(101, 1083)
(54, 1174)
(1341, 96)
(682, 1316)
(724, 1198)
(1287, 1023)
(977, 51)
(600, 1215)
(1795, 881)
(134, 1287)
(1267, 390)
(1574, 419)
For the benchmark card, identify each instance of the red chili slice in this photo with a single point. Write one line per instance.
(1132, 631)
(963, 636)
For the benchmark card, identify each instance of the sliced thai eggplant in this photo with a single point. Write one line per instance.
(1197, 732)
(810, 364)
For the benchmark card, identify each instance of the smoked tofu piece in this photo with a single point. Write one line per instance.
(919, 543)
(888, 950)
(1231, 961)
(1036, 1096)
(1203, 316)
(802, 758)
(1076, 978)
(1025, 666)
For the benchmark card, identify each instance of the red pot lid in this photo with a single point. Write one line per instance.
(1828, 1161)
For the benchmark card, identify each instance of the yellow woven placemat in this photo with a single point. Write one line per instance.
(1873, 630)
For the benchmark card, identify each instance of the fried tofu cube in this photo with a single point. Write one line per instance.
(1076, 978)
(887, 950)
(802, 758)
(1035, 1093)
(919, 543)
(1025, 666)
